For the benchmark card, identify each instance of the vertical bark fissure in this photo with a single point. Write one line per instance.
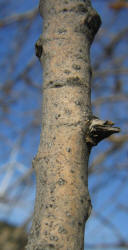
(62, 200)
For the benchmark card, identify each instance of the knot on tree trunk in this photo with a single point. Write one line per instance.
(98, 130)
(93, 23)
(39, 47)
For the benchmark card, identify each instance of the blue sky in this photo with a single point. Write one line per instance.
(24, 100)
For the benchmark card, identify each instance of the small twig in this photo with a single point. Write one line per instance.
(98, 130)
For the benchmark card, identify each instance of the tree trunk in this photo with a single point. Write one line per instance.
(69, 130)
(62, 200)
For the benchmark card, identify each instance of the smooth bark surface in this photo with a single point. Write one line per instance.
(62, 200)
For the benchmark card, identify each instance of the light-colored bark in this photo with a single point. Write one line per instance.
(62, 200)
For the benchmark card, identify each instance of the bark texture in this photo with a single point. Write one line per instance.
(62, 200)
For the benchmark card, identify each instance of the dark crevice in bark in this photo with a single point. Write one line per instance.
(68, 124)
(71, 81)
(80, 8)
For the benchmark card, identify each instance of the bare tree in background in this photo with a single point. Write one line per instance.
(109, 87)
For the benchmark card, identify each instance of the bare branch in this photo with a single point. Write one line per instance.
(19, 17)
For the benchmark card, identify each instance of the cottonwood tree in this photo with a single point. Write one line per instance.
(20, 122)
(69, 130)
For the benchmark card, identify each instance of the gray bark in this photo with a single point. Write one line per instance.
(63, 203)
